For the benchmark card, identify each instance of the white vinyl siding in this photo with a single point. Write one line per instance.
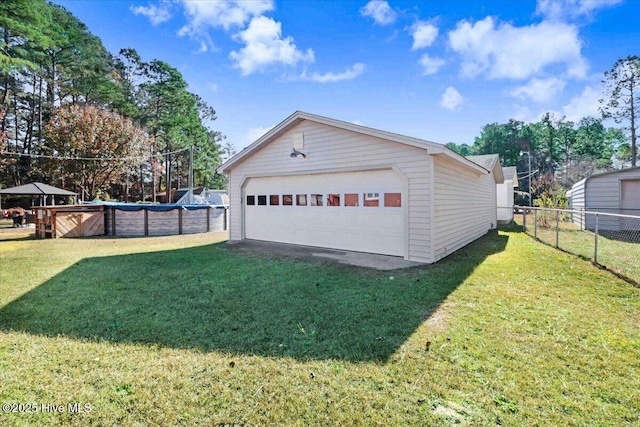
(465, 206)
(578, 203)
(601, 193)
(505, 201)
(630, 202)
(447, 200)
(604, 194)
(334, 150)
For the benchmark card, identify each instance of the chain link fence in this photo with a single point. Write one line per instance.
(609, 240)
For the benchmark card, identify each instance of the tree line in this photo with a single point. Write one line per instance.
(74, 115)
(563, 152)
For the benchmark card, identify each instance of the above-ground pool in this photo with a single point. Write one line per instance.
(129, 219)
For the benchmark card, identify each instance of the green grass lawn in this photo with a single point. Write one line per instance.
(184, 330)
(618, 251)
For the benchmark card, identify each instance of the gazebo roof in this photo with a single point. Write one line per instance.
(37, 189)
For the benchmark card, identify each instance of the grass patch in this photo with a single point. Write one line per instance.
(180, 330)
(618, 251)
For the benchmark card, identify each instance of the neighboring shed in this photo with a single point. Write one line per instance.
(317, 181)
(610, 192)
(505, 193)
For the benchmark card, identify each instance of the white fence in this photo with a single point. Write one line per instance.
(609, 240)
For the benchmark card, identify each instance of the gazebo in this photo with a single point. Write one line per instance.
(37, 189)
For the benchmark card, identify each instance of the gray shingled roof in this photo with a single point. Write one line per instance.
(37, 189)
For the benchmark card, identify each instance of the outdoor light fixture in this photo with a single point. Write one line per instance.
(296, 153)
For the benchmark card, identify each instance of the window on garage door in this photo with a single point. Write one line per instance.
(351, 199)
(371, 199)
(392, 200)
(333, 199)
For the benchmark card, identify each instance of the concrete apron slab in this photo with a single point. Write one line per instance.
(310, 253)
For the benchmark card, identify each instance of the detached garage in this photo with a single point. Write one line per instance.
(321, 182)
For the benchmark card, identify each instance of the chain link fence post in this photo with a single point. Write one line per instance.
(595, 245)
(557, 229)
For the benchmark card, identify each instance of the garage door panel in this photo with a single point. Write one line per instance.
(630, 203)
(366, 229)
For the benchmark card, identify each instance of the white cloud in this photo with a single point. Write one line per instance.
(212, 87)
(157, 15)
(430, 65)
(522, 113)
(571, 9)
(202, 15)
(264, 46)
(540, 90)
(424, 34)
(583, 105)
(205, 44)
(505, 51)
(451, 99)
(349, 74)
(380, 11)
(253, 134)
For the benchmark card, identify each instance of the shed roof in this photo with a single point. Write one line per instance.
(299, 116)
(490, 162)
(637, 168)
(37, 189)
(583, 181)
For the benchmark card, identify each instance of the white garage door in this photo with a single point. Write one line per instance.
(357, 211)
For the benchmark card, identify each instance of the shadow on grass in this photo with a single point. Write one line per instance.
(15, 235)
(626, 236)
(580, 243)
(512, 227)
(211, 298)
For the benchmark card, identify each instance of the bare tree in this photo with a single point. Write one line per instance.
(622, 97)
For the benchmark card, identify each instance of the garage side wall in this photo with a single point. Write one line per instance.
(465, 207)
(577, 203)
(603, 193)
(330, 149)
(505, 201)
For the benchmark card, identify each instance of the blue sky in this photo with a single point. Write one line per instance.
(437, 70)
